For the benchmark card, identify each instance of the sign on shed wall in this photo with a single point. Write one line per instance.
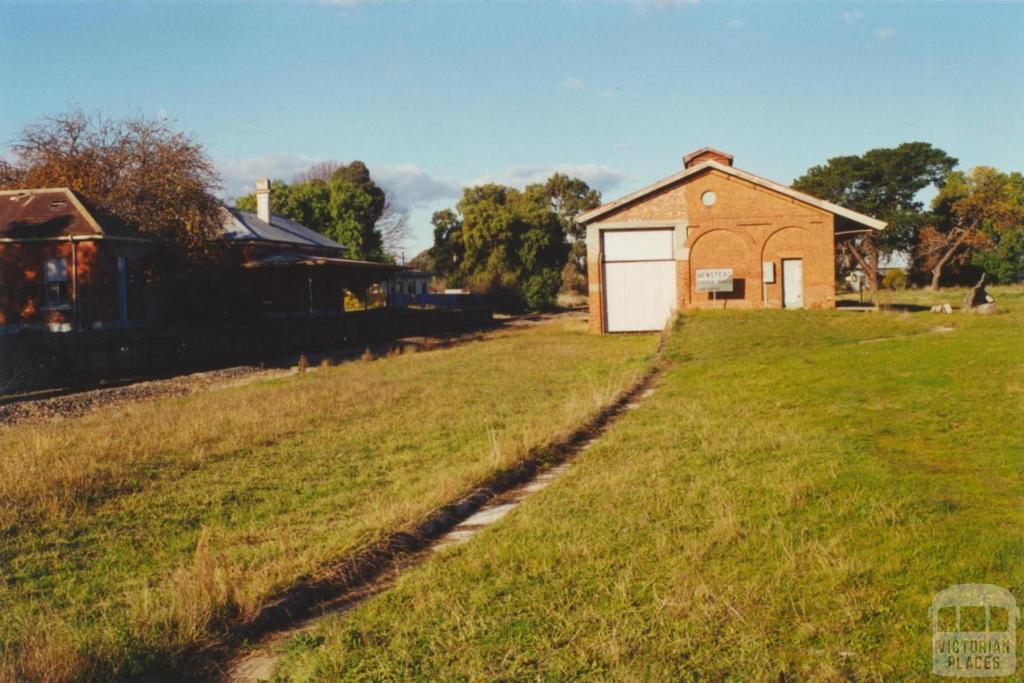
(714, 279)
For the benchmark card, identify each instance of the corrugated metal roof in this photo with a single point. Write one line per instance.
(245, 226)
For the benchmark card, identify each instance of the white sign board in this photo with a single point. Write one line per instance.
(768, 272)
(714, 279)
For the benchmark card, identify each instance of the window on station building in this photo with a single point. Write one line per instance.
(55, 274)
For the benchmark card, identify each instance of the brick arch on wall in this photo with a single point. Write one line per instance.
(798, 241)
(724, 248)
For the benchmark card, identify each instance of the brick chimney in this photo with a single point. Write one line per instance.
(698, 157)
(263, 200)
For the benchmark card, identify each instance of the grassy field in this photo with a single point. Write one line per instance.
(133, 534)
(783, 507)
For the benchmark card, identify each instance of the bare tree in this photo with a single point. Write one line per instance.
(393, 226)
(322, 170)
(864, 252)
(938, 250)
(150, 177)
(10, 175)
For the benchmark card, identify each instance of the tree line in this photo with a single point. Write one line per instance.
(974, 223)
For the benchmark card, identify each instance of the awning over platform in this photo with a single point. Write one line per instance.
(285, 259)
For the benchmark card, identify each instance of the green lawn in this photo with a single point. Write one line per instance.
(783, 507)
(133, 534)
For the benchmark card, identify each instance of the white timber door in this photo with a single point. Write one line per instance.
(792, 283)
(639, 279)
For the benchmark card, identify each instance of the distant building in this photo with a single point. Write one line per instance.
(858, 280)
(409, 282)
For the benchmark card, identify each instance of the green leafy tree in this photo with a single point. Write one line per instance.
(979, 216)
(569, 198)
(543, 247)
(340, 201)
(506, 242)
(883, 183)
(354, 212)
(446, 256)
(1004, 261)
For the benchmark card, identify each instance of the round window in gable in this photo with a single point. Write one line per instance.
(708, 198)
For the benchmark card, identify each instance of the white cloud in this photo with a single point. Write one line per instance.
(574, 84)
(642, 6)
(600, 177)
(850, 17)
(734, 24)
(884, 33)
(239, 175)
(413, 188)
(410, 186)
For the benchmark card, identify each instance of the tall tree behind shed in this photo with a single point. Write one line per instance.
(504, 242)
(569, 198)
(883, 183)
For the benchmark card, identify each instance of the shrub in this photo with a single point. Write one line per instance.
(539, 291)
(895, 279)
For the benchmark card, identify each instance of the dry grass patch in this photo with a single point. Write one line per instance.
(148, 529)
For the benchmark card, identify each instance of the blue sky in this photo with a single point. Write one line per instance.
(436, 95)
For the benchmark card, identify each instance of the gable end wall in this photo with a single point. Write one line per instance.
(746, 226)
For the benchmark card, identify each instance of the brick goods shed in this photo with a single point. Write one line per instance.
(712, 236)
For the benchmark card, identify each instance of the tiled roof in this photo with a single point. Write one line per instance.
(54, 213)
(33, 214)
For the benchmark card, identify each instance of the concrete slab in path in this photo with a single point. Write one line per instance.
(488, 515)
